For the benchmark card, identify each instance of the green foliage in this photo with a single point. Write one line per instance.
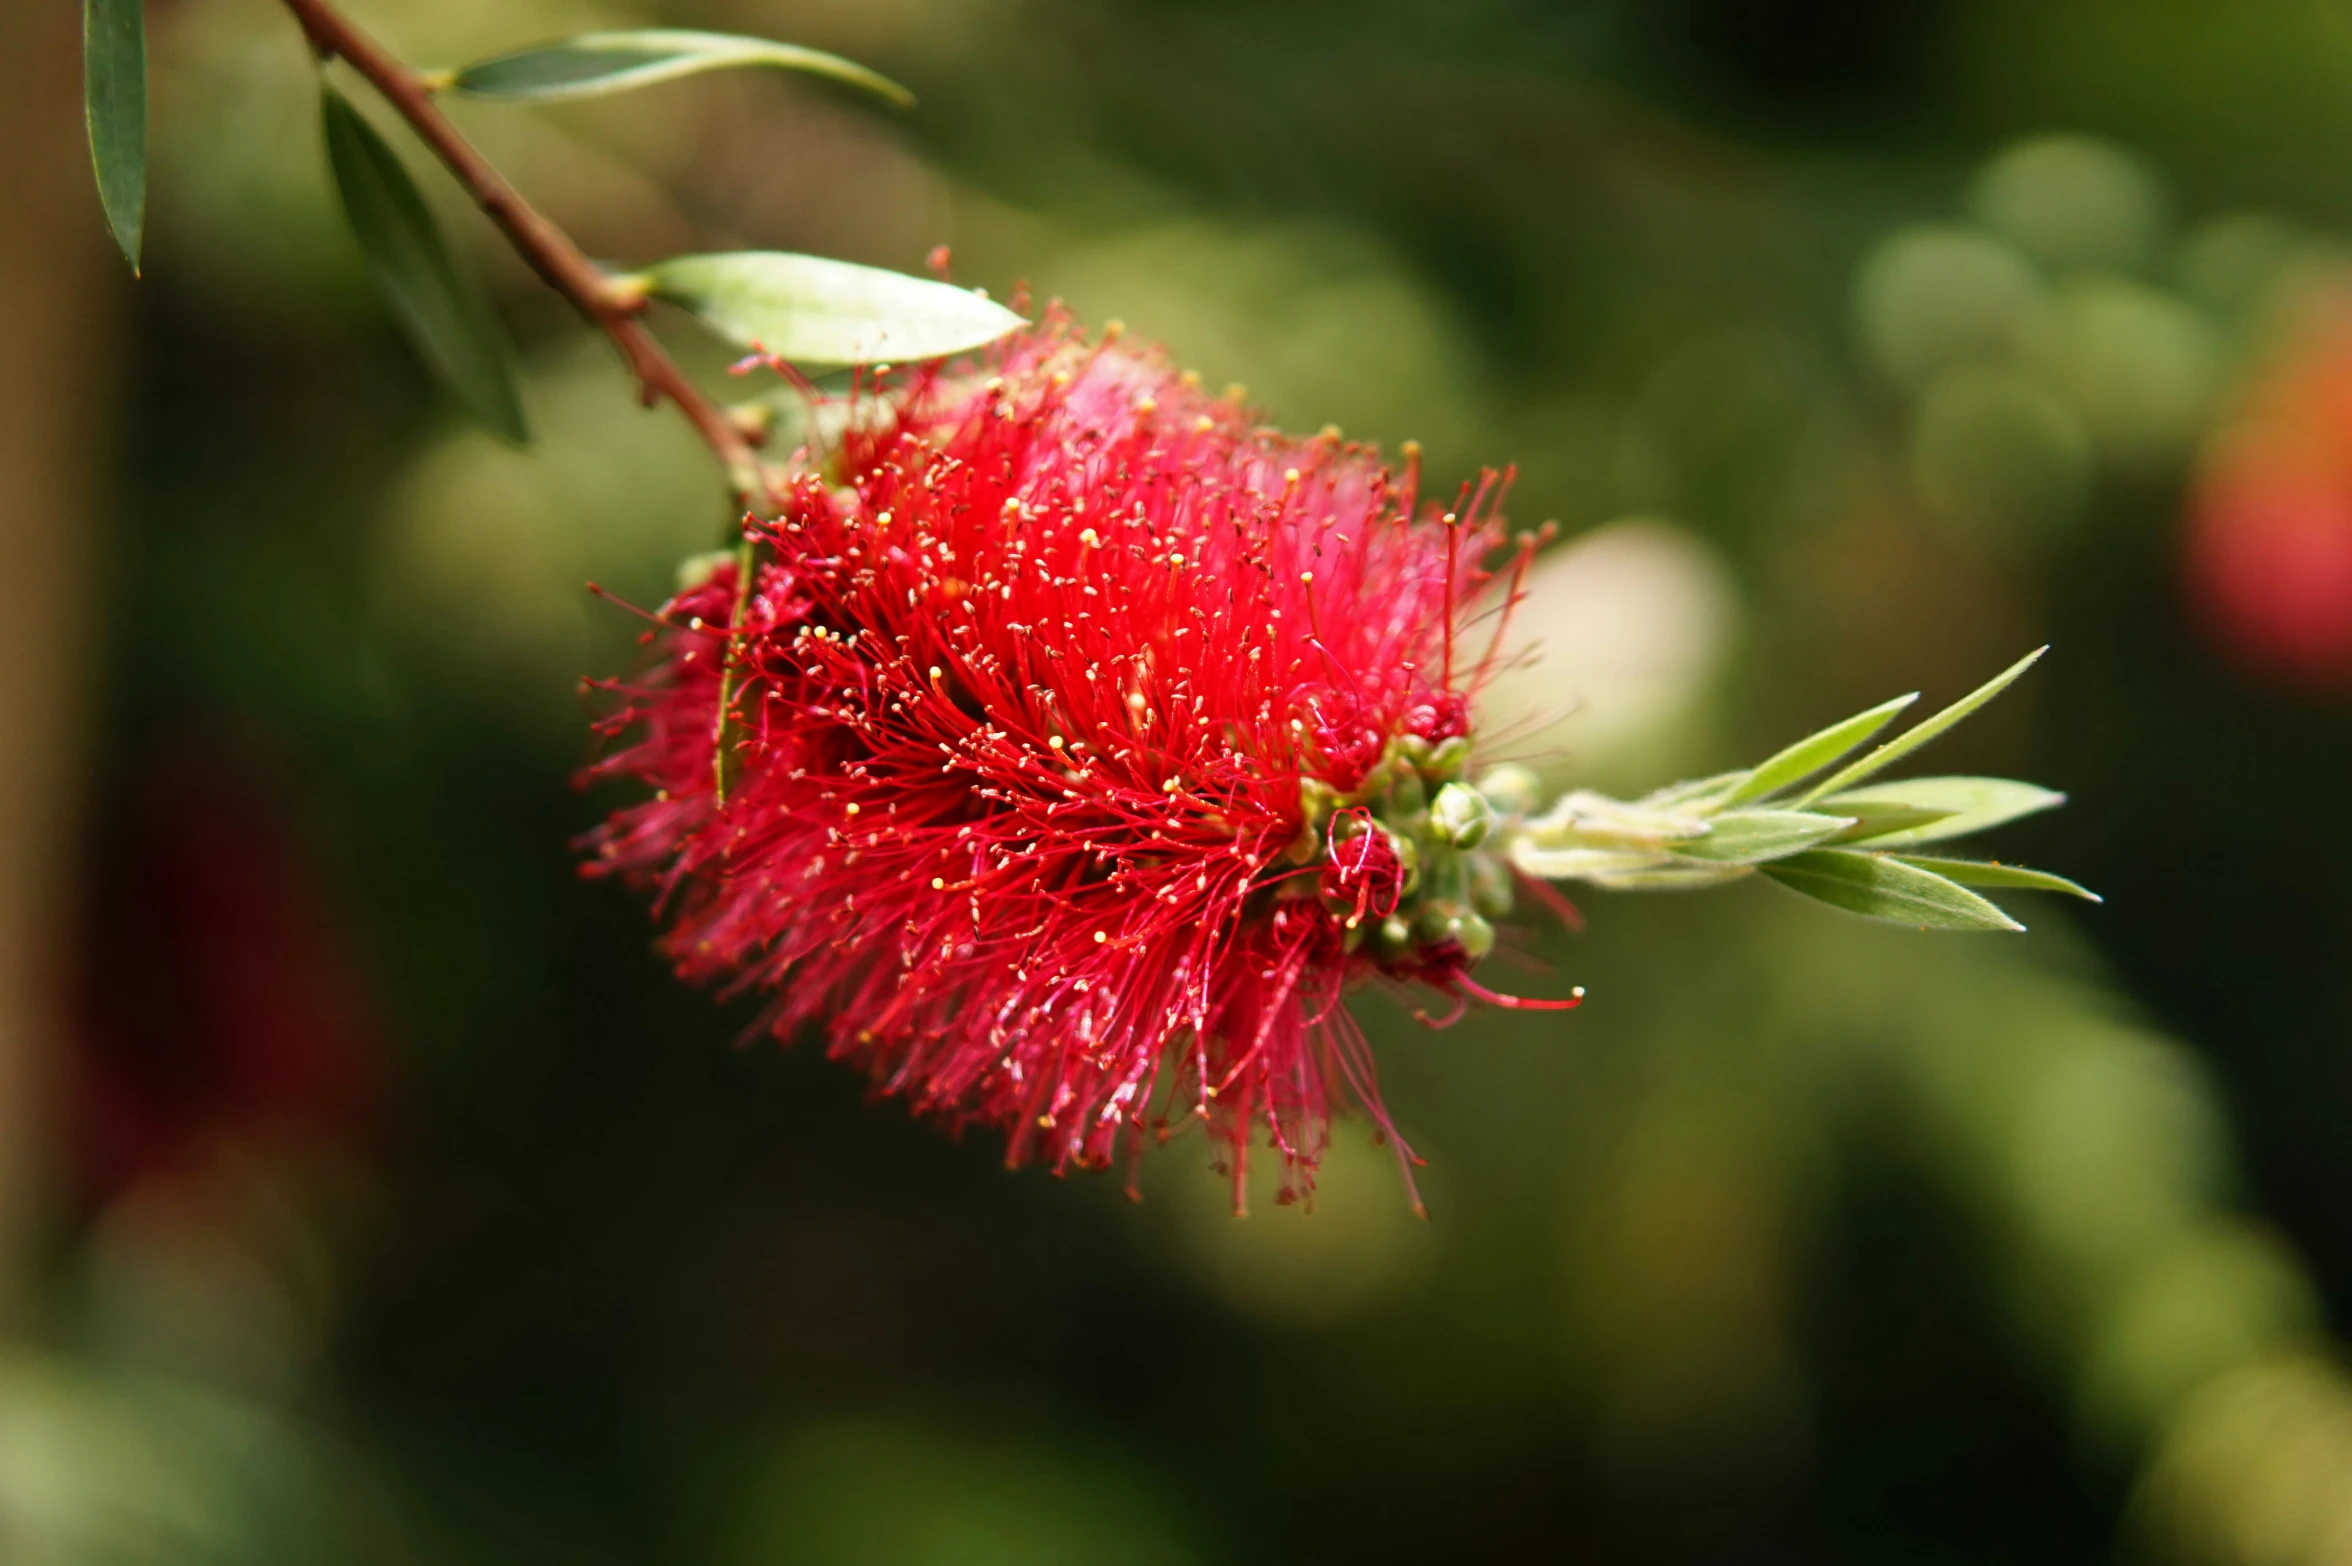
(1875, 818)
(1810, 754)
(1740, 837)
(590, 65)
(1910, 740)
(811, 310)
(1983, 872)
(445, 315)
(1880, 886)
(1721, 828)
(1964, 805)
(114, 105)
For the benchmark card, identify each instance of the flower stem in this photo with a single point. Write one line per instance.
(611, 304)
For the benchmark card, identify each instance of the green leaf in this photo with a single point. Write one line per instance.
(1581, 864)
(1968, 805)
(445, 316)
(1698, 792)
(1670, 878)
(1910, 740)
(1875, 819)
(1982, 872)
(589, 65)
(1810, 754)
(815, 311)
(114, 106)
(1752, 836)
(1880, 886)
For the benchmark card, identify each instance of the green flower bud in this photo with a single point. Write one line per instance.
(1512, 789)
(1474, 935)
(1460, 815)
(1491, 892)
(1448, 759)
(1450, 924)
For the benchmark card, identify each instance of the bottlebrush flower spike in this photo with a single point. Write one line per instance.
(1083, 741)
(1084, 738)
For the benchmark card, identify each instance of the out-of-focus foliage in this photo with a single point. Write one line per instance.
(1856, 347)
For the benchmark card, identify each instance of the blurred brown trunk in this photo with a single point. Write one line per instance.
(57, 278)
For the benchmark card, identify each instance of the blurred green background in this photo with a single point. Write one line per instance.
(368, 1193)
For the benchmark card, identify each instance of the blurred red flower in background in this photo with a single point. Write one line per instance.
(2269, 554)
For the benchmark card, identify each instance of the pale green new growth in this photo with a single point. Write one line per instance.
(1910, 740)
(1966, 805)
(1832, 842)
(1810, 754)
(1746, 837)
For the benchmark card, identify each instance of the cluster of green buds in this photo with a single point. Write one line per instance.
(1412, 866)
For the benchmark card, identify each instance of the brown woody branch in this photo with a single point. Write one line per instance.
(612, 305)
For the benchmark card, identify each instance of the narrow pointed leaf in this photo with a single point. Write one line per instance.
(1576, 864)
(1696, 792)
(591, 64)
(1746, 837)
(1880, 886)
(1875, 819)
(815, 311)
(1969, 805)
(114, 107)
(1810, 754)
(1669, 878)
(1980, 872)
(1911, 739)
(445, 316)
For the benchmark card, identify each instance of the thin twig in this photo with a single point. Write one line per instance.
(612, 305)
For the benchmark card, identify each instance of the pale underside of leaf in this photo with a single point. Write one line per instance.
(445, 316)
(114, 110)
(1582, 864)
(1815, 751)
(1682, 876)
(1969, 805)
(811, 310)
(1696, 793)
(1876, 819)
(1879, 886)
(592, 64)
(1984, 872)
(1752, 836)
(1911, 739)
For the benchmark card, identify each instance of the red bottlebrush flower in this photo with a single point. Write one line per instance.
(1073, 726)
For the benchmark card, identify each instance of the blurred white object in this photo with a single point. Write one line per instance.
(1609, 660)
